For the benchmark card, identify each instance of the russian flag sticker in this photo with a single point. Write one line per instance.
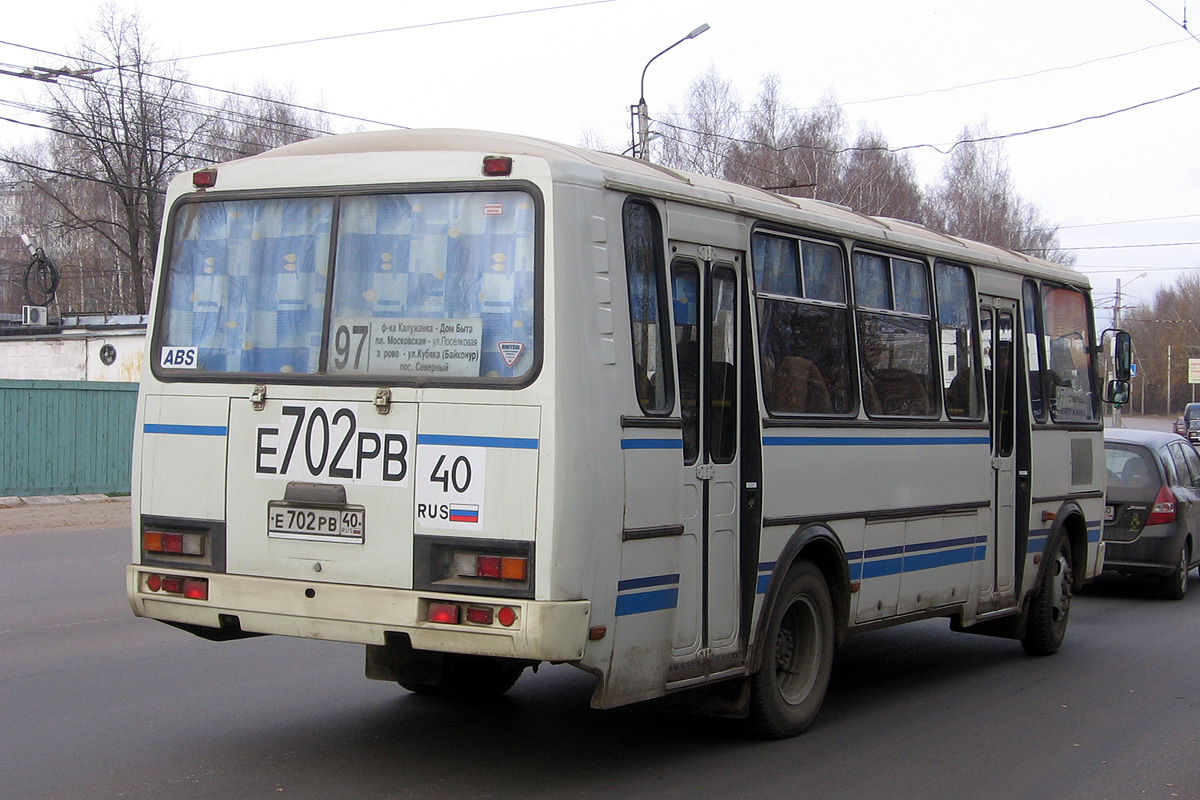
(464, 513)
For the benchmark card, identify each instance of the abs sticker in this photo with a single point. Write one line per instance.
(179, 358)
(312, 441)
(450, 484)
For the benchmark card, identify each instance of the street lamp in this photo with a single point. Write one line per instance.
(641, 143)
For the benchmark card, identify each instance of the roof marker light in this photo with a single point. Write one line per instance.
(205, 178)
(493, 166)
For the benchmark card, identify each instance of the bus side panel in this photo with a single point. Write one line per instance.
(183, 438)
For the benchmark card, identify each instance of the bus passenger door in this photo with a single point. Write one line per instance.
(706, 297)
(998, 319)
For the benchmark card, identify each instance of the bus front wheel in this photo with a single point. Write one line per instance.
(1051, 606)
(787, 691)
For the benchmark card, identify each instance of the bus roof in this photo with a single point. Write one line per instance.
(635, 175)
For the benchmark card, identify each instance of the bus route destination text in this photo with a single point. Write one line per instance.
(448, 347)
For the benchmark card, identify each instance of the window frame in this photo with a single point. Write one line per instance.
(933, 392)
(323, 377)
(760, 298)
(659, 270)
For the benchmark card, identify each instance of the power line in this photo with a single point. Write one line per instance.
(63, 173)
(988, 81)
(194, 85)
(388, 30)
(1168, 16)
(938, 148)
(1132, 246)
(1122, 222)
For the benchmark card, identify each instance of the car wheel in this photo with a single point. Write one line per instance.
(1050, 608)
(1174, 585)
(789, 687)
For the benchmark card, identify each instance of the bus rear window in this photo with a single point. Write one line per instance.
(420, 286)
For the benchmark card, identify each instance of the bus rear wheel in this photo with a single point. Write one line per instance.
(471, 677)
(787, 691)
(1051, 606)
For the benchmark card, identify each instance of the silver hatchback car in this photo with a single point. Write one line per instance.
(1152, 517)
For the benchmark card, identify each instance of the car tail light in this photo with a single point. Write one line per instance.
(1163, 510)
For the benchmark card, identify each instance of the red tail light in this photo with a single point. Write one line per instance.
(1163, 510)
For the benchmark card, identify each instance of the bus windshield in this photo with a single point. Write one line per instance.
(421, 286)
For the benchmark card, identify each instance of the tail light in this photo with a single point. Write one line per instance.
(191, 588)
(1163, 510)
(186, 544)
(449, 613)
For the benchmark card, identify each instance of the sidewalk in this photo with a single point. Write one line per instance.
(63, 512)
(55, 499)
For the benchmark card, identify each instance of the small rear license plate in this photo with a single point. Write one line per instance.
(317, 524)
(1109, 513)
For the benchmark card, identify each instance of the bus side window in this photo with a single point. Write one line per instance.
(685, 280)
(895, 336)
(804, 326)
(1035, 350)
(645, 273)
(960, 352)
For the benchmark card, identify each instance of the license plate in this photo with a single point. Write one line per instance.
(1109, 513)
(316, 524)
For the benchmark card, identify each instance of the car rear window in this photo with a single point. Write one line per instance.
(1130, 468)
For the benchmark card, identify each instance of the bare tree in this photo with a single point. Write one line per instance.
(97, 183)
(877, 181)
(264, 119)
(702, 137)
(1170, 323)
(122, 135)
(975, 199)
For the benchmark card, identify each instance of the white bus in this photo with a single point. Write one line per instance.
(480, 402)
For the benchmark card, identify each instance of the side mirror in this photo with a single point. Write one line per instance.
(1117, 392)
(1122, 352)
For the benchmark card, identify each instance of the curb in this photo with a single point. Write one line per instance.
(56, 499)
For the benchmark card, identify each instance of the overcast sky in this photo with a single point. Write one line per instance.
(918, 71)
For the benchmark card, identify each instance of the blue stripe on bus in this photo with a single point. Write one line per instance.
(916, 557)
(500, 442)
(186, 430)
(652, 444)
(868, 441)
(645, 602)
(645, 583)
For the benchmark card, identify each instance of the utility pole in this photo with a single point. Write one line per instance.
(1117, 325)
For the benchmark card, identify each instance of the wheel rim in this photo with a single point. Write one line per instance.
(1182, 572)
(797, 651)
(1060, 600)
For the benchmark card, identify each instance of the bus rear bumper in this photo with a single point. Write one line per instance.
(542, 631)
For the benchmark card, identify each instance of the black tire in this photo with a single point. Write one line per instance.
(471, 677)
(1050, 608)
(787, 690)
(1175, 585)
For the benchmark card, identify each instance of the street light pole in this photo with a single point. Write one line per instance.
(642, 137)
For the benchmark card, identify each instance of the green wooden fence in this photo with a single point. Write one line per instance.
(65, 437)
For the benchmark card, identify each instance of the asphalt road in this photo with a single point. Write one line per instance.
(95, 703)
